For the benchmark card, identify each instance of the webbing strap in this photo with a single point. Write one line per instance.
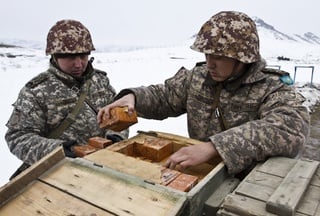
(64, 124)
(222, 119)
(71, 117)
(218, 110)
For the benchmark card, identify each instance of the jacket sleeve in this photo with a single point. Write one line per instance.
(163, 100)
(26, 140)
(281, 129)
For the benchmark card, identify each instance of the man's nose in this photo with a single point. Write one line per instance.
(77, 62)
(211, 65)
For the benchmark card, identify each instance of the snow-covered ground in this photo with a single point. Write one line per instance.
(142, 67)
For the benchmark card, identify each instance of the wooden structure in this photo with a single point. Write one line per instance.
(107, 182)
(280, 186)
(117, 181)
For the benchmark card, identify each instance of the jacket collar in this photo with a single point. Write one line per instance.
(69, 80)
(252, 75)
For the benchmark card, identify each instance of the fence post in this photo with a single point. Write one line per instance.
(295, 71)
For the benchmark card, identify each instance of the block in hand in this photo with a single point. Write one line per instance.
(119, 119)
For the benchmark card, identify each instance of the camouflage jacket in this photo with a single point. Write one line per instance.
(259, 115)
(45, 101)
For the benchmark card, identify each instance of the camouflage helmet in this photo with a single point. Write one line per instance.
(230, 34)
(69, 37)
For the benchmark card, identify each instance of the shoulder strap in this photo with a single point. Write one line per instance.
(275, 71)
(37, 80)
(284, 76)
(64, 124)
(71, 117)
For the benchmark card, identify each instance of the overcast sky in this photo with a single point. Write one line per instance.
(163, 21)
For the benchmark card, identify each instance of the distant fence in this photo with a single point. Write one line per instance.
(274, 66)
(296, 69)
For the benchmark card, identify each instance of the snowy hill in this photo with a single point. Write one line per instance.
(264, 29)
(277, 35)
(308, 38)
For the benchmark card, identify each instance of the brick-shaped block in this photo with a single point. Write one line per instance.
(83, 150)
(119, 119)
(99, 142)
(126, 148)
(157, 149)
(184, 182)
(139, 150)
(168, 175)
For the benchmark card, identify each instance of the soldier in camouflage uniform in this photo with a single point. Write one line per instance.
(48, 99)
(242, 111)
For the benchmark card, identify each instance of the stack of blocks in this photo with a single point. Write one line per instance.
(94, 144)
(151, 149)
(156, 150)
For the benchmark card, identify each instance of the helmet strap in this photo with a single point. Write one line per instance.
(236, 74)
(54, 61)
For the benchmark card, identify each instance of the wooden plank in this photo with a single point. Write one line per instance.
(212, 205)
(316, 178)
(27, 176)
(41, 199)
(258, 192)
(299, 214)
(317, 211)
(127, 164)
(118, 192)
(278, 166)
(259, 185)
(224, 212)
(263, 179)
(202, 191)
(310, 201)
(285, 199)
(174, 137)
(240, 205)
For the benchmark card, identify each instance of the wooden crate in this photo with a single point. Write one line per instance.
(211, 175)
(106, 183)
(280, 186)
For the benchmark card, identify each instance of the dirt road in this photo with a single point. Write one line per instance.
(312, 149)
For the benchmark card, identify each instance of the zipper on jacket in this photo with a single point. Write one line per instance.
(216, 105)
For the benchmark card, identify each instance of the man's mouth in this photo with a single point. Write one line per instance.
(213, 73)
(77, 73)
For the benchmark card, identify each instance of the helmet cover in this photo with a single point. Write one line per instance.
(69, 37)
(230, 34)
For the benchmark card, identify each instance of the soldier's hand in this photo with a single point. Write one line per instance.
(114, 138)
(191, 156)
(126, 101)
(67, 147)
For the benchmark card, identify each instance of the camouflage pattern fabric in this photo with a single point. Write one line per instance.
(43, 104)
(265, 117)
(69, 36)
(230, 34)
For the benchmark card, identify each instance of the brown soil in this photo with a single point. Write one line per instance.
(312, 149)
